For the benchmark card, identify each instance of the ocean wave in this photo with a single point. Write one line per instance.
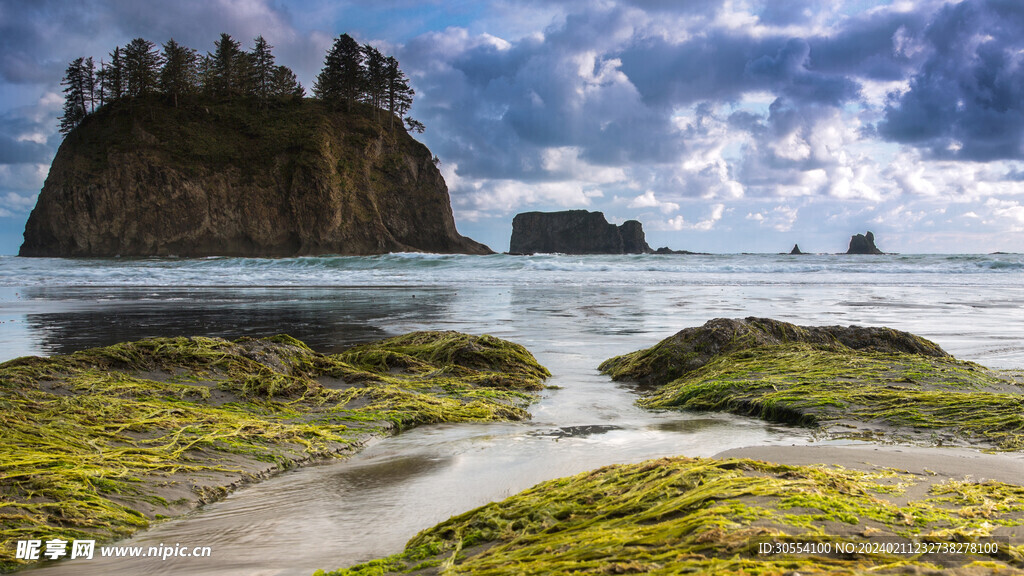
(442, 269)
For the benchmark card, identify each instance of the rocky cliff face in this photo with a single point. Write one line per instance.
(146, 179)
(575, 232)
(863, 244)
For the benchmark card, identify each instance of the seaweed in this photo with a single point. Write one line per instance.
(88, 436)
(708, 516)
(909, 390)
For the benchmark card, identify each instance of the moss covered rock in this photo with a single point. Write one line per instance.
(735, 516)
(97, 443)
(850, 381)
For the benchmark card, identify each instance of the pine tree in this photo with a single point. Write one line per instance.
(399, 93)
(225, 68)
(78, 85)
(264, 70)
(375, 77)
(141, 67)
(341, 79)
(179, 76)
(284, 83)
(112, 83)
(414, 125)
(89, 83)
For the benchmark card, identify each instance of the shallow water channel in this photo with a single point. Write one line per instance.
(338, 513)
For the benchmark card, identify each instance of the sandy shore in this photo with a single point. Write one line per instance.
(941, 463)
(930, 466)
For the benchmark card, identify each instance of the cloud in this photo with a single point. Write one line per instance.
(966, 101)
(25, 178)
(38, 38)
(703, 225)
(779, 218)
(647, 200)
(1007, 209)
(27, 133)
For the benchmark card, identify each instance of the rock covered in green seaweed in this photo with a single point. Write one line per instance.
(706, 516)
(97, 443)
(852, 381)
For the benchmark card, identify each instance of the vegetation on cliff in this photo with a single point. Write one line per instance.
(98, 443)
(851, 382)
(705, 516)
(351, 73)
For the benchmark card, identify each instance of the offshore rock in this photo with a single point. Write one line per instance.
(142, 178)
(863, 244)
(795, 250)
(575, 232)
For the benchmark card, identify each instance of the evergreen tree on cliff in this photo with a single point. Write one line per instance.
(141, 68)
(224, 69)
(399, 93)
(112, 78)
(79, 85)
(342, 77)
(178, 77)
(286, 84)
(375, 78)
(263, 69)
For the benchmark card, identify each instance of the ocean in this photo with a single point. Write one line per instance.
(572, 312)
(971, 304)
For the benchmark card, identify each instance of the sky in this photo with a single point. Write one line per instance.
(722, 125)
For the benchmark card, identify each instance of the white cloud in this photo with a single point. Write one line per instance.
(704, 225)
(648, 200)
(25, 177)
(780, 218)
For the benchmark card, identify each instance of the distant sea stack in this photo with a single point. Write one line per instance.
(795, 250)
(144, 178)
(575, 232)
(863, 244)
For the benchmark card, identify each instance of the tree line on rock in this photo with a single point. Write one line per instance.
(351, 73)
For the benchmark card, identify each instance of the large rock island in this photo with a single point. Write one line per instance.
(143, 178)
(575, 232)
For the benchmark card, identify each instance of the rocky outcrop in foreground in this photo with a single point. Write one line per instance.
(863, 244)
(575, 232)
(142, 178)
(847, 381)
(98, 443)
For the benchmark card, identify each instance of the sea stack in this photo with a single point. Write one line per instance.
(795, 250)
(575, 232)
(143, 178)
(863, 244)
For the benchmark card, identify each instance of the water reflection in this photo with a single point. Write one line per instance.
(358, 480)
(327, 319)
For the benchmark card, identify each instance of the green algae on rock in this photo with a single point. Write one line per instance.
(707, 516)
(97, 443)
(850, 381)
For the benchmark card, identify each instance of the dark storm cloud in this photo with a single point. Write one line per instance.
(723, 64)
(967, 99)
(39, 37)
(609, 82)
(509, 103)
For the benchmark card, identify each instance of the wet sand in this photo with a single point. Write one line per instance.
(934, 464)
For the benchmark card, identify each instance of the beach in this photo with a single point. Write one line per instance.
(572, 313)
